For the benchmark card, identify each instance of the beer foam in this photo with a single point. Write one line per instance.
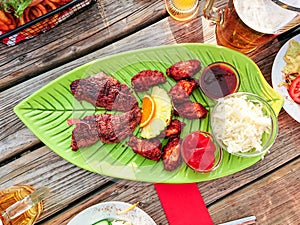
(263, 15)
(295, 3)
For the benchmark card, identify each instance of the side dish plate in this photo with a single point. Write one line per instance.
(111, 210)
(292, 108)
(46, 111)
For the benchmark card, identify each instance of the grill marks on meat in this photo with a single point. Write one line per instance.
(191, 110)
(181, 91)
(184, 107)
(107, 128)
(146, 79)
(85, 133)
(184, 70)
(172, 156)
(146, 148)
(104, 91)
(173, 129)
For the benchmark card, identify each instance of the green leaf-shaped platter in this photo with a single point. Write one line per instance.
(45, 112)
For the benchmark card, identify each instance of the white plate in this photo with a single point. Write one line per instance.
(110, 210)
(292, 108)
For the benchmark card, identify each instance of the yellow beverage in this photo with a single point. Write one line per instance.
(13, 194)
(182, 9)
(184, 4)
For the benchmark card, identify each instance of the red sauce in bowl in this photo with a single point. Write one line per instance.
(199, 151)
(219, 79)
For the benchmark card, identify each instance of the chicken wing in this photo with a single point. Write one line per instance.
(184, 70)
(191, 110)
(146, 79)
(173, 129)
(182, 90)
(146, 148)
(171, 156)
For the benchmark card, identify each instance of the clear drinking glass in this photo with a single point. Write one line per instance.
(21, 204)
(182, 9)
(244, 25)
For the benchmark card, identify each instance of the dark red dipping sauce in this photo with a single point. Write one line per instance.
(219, 79)
(198, 151)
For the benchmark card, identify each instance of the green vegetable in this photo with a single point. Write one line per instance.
(16, 7)
(102, 222)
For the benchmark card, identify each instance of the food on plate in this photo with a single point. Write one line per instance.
(191, 110)
(291, 70)
(171, 154)
(294, 90)
(173, 129)
(219, 79)
(14, 13)
(198, 151)
(292, 58)
(184, 69)
(104, 91)
(112, 222)
(181, 91)
(7, 21)
(148, 110)
(132, 207)
(15, 7)
(240, 123)
(183, 106)
(162, 114)
(107, 128)
(150, 149)
(146, 79)
(155, 117)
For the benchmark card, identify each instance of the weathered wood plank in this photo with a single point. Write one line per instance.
(274, 200)
(43, 167)
(103, 23)
(132, 192)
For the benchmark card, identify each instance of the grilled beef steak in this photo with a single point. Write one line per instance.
(104, 91)
(107, 128)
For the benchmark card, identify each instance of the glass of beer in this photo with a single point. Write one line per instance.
(182, 9)
(246, 25)
(21, 205)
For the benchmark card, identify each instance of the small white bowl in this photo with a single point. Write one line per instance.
(111, 210)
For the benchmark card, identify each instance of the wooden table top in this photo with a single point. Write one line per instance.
(269, 189)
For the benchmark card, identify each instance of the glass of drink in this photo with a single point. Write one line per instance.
(21, 204)
(182, 9)
(245, 25)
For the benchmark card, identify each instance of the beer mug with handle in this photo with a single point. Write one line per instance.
(244, 25)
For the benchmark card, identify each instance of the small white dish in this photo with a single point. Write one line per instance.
(111, 210)
(292, 108)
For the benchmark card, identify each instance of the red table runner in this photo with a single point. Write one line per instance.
(183, 204)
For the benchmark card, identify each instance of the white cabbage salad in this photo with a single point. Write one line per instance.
(240, 124)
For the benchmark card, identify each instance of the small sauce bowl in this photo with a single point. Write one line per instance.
(219, 79)
(201, 152)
